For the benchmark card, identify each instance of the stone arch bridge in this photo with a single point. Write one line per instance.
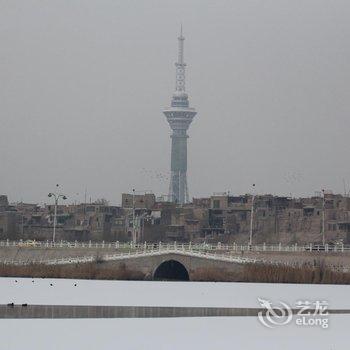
(168, 263)
(178, 265)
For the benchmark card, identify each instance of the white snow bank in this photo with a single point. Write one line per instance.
(244, 333)
(141, 293)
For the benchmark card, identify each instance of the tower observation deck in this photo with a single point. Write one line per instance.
(179, 116)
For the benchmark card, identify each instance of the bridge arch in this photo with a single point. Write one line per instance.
(171, 270)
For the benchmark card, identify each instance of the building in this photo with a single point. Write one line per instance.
(179, 117)
(222, 217)
(140, 201)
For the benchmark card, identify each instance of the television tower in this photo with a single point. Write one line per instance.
(179, 117)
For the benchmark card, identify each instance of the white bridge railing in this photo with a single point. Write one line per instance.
(129, 251)
(160, 250)
(208, 247)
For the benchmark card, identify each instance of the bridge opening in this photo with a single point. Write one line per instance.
(171, 270)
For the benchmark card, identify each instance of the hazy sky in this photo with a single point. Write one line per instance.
(83, 85)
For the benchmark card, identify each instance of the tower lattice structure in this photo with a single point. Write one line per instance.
(179, 116)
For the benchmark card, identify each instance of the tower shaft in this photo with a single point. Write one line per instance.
(178, 184)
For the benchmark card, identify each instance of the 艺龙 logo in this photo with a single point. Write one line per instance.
(274, 316)
(306, 313)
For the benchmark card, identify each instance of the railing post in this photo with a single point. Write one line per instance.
(190, 246)
(342, 247)
(326, 247)
(160, 246)
(279, 246)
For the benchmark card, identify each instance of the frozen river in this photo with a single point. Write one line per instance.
(168, 333)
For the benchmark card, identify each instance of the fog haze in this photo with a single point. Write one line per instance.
(83, 85)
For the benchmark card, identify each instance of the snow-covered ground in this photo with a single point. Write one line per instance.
(142, 293)
(244, 333)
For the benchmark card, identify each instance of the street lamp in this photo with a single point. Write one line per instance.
(251, 220)
(56, 196)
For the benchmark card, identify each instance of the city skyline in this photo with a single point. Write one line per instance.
(83, 85)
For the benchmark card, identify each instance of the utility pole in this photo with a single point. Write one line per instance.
(85, 194)
(133, 216)
(56, 196)
(251, 220)
(323, 219)
(22, 226)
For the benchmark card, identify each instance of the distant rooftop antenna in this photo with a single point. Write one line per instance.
(346, 189)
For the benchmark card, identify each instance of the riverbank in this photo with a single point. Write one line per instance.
(260, 273)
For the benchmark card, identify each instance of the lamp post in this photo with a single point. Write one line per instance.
(251, 220)
(56, 197)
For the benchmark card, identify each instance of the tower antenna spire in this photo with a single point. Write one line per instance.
(180, 64)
